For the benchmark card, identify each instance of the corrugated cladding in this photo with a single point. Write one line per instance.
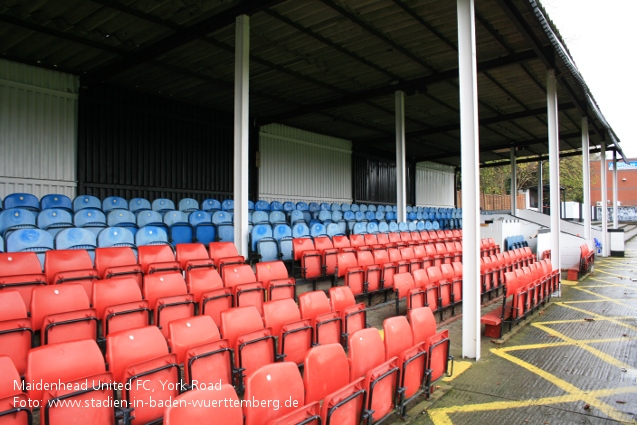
(434, 185)
(38, 122)
(375, 180)
(133, 144)
(298, 165)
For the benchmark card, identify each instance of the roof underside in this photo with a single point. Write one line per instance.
(328, 66)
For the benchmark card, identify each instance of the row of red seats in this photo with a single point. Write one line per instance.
(493, 267)
(368, 382)
(525, 289)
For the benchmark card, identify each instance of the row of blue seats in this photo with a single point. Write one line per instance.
(514, 242)
(31, 202)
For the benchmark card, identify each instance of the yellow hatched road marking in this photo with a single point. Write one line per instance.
(605, 298)
(614, 274)
(563, 344)
(597, 316)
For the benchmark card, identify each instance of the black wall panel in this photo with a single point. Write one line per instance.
(375, 180)
(132, 144)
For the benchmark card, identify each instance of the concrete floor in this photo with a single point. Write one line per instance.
(575, 362)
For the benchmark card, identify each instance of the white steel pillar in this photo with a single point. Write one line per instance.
(554, 167)
(469, 160)
(241, 126)
(540, 188)
(514, 182)
(604, 189)
(586, 177)
(401, 174)
(615, 200)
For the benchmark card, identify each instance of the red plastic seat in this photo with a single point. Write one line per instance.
(327, 323)
(372, 276)
(367, 359)
(208, 364)
(191, 256)
(16, 330)
(157, 259)
(323, 244)
(295, 336)
(21, 272)
(253, 344)
(437, 344)
(425, 294)
(13, 402)
(70, 265)
(449, 275)
(387, 267)
(444, 287)
(341, 242)
(139, 360)
(168, 298)
(119, 305)
(326, 377)
(279, 381)
(353, 315)
(189, 332)
(307, 258)
(348, 269)
(246, 290)
(274, 277)
(412, 358)
(402, 265)
(63, 313)
(224, 254)
(402, 287)
(208, 289)
(118, 262)
(199, 406)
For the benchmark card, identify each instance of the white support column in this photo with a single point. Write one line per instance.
(554, 167)
(586, 177)
(401, 169)
(241, 125)
(469, 160)
(540, 188)
(514, 182)
(604, 189)
(615, 195)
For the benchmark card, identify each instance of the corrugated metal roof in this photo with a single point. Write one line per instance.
(328, 66)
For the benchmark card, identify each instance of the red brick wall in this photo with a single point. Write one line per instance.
(626, 189)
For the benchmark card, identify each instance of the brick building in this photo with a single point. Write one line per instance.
(626, 182)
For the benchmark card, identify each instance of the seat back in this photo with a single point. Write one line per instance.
(12, 306)
(86, 201)
(199, 406)
(53, 299)
(366, 352)
(116, 237)
(326, 370)
(398, 336)
(149, 218)
(54, 219)
(313, 304)
(150, 254)
(133, 346)
(160, 285)
(56, 201)
(423, 324)
(211, 204)
(218, 250)
(114, 203)
(188, 205)
(138, 204)
(151, 235)
(190, 255)
(282, 379)
(189, 332)
(16, 218)
(238, 275)
(64, 260)
(162, 205)
(239, 321)
(76, 238)
(110, 292)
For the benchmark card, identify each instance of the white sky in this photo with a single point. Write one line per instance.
(602, 39)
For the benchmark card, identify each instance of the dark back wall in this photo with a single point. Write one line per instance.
(374, 180)
(132, 144)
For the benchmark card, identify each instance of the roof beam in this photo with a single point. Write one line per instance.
(520, 143)
(179, 38)
(484, 121)
(407, 86)
(537, 158)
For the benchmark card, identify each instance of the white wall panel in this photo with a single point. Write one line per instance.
(434, 185)
(38, 130)
(298, 165)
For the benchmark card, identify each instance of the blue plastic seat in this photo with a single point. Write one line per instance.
(372, 227)
(313, 206)
(227, 205)
(288, 206)
(393, 226)
(276, 217)
(283, 235)
(86, 201)
(179, 229)
(336, 215)
(318, 229)
(349, 216)
(379, 215)
(360, 216)
(150, 218)
(380, 208)
(151, 235)
(342, 226)
(77, 238)
(296, 216)
(56, 201)
(188, 205)
(300, 230)
(91, 219)
(333, 229)
(370, 215)
(30, 240)
(355, 208)
(411, 216)
(436, 225)
(225, 231)
(360, 228)
(263, 244)
(371, 208)
(205, 231)
(383, 227)
(411, 226)
(25, 201)
(324, 215)
(1, 244)
(346, 207)
(276, 206)
(210, 205)
(163, 205)
(16, 218)
(122, 218)
(53, 220)
(324, 206)
(219, 217)
(262, 205)
(250, 205)
(420, 225)
(114, 203)
(260, 216)
(138, 204)
(116, 236)
(302, 206)
(335, 206)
